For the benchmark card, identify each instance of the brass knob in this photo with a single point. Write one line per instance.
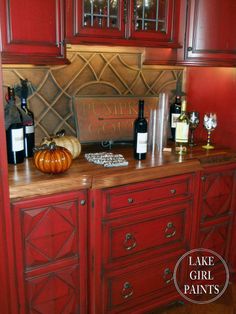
(82, 202)
(130, 200)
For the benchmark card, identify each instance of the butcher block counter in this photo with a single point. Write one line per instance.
(26, 181)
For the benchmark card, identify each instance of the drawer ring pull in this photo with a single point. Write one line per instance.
(167, 276)
(127, 290)
(129, 242)
(170, 230)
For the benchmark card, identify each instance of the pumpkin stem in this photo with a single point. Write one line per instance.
(49, 146)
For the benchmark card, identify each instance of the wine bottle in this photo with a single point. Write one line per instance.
(28, 122)
(140, 134)
(15, 131)
(175, 110)
(182, 130)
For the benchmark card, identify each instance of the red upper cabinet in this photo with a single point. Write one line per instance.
(211, 32)
(95, 19)
(134, 23)
(32, 31)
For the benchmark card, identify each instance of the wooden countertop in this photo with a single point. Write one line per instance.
(26, 181)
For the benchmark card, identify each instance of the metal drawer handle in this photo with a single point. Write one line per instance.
(168, 275)
(129, 242)
(127, 290)
(173, 191)
(130, 200)
(170, 230)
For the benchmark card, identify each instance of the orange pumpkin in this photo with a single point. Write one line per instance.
(52, 158)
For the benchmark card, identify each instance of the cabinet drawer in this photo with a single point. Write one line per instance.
(148, 233)
(128, 196)
(139, 285)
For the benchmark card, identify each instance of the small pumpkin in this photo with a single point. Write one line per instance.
(52, 158)
(68, 141)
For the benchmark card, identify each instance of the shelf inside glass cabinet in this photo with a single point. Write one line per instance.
(101, 13)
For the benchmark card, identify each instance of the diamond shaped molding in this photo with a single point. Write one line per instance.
(217, 195)
(43, 242)
(54, 293)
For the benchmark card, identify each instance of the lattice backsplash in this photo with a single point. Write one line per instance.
(91, 73)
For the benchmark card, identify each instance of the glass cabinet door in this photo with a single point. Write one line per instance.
(102, 17)
(152, 18)
(125, 22)
(101, 14)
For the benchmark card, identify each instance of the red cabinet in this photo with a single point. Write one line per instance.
(216, 210)
(32, 31)
(6, 248)
(50, 253)
(134, 23)
(211, 32)
(137, 234)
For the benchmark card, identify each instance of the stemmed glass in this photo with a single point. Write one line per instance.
(193, 124)
(210, 123)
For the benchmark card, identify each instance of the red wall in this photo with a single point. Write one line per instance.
(214, 89)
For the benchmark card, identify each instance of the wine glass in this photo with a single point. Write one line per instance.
(210, 123)
(193, 124)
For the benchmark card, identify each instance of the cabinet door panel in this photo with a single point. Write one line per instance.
(49, 233)
(155, 20)
(217, 189)
(211, 31)
(32, 28)
(54, 293)
(91, 19)
(50, 252)
(216, 238)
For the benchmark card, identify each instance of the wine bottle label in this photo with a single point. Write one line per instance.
(29, 129)
(181, 134)
(141, 143)
(17, 136)
(174, 118)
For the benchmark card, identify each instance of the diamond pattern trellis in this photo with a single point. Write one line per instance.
(91, 72)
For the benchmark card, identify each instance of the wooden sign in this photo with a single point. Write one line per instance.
(108, 118)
